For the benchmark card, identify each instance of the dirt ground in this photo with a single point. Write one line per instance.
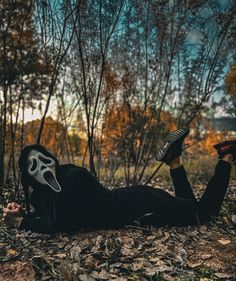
(206, 252)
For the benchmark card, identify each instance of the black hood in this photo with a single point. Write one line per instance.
(27, 180)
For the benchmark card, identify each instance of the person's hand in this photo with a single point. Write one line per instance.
(13, 214)
(13, 209)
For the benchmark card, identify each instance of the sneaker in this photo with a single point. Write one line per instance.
(226, 147)
(173, 147)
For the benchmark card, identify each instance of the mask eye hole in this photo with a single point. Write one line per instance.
(32, 165)
(45, 160)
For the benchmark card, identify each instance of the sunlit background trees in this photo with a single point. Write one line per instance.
(110, 78)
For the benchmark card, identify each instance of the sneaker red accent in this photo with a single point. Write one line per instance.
(224, 148)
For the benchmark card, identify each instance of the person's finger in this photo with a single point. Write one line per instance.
(5, 212)
(10, 205)
(17, 210)
(10, 213)
(16, 205)
(13, 206)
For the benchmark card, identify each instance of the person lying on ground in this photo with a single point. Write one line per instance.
(68, 198)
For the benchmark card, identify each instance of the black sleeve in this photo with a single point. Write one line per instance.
(37, 224)
(81, 178)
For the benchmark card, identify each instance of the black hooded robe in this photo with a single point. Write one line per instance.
(83, 203)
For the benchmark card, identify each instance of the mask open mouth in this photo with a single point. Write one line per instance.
(52, 181)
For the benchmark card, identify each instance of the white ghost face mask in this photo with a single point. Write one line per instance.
(43, 169)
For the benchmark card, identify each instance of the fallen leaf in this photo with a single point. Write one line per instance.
(75, 252)
(193, 264)
(233, 218)
(194, 233)
(137, 266)
(11, 253)
(85, 277)
(151, 237)
(214, 264)
(154, 259)
(103, 275)
(128, 241)
(94, 274)
(60, 255)
(203, 229)
(223, 275)
(17, 271)
(224, 242)
(127, 251)
(206, 256)
(116, 264)
(150, 271)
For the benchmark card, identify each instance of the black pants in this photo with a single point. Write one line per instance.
(153, 206)
(184, 209)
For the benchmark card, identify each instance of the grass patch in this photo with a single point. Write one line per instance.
(199, 170)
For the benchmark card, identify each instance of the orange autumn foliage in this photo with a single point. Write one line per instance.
(212, 138)
(53, 137)
(230, 81)
(111, 81)
(127, 128)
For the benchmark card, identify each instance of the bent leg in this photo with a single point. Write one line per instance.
(164, 209)
(181, 184)
(211, 201)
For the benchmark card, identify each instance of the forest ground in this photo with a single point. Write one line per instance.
(205, 253)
